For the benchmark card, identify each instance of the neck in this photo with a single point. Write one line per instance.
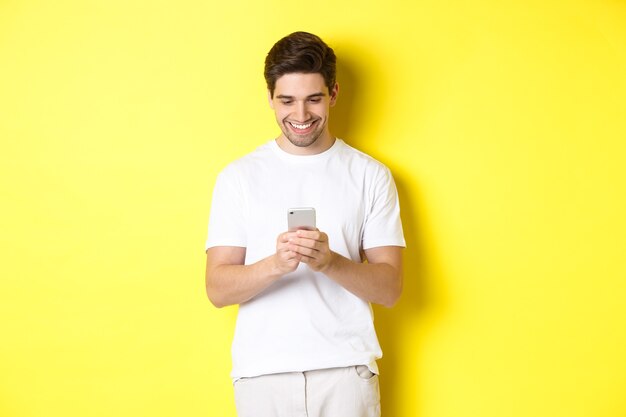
(321, 144)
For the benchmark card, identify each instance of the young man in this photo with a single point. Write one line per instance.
(304, 342)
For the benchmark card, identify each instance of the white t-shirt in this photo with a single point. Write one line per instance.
(304, 320)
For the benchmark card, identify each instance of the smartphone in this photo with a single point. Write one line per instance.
(301, 218)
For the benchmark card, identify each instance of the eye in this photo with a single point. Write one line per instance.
(286, 102)
(315, 100)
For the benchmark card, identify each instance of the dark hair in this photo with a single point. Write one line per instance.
(300, 52)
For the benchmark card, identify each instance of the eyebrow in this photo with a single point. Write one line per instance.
(284, 96)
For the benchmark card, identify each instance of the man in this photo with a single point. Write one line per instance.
(304, 342)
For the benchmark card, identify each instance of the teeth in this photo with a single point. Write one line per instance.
(302, 127)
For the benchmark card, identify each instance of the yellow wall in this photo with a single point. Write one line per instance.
(504, 123)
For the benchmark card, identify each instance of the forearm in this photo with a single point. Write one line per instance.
(235, 284)
(379, 283)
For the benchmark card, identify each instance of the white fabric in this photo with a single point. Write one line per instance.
(305, 320)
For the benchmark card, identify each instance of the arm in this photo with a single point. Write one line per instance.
(229, 281)
(378, 281)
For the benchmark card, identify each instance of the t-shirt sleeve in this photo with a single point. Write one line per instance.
(383, 226)
(226, 221)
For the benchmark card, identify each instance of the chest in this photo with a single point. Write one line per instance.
(339, 195)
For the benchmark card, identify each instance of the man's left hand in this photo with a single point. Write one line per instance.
(312, 246)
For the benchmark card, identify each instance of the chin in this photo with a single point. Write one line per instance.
(302, 142)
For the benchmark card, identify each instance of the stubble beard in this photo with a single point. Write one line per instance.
(302, 141)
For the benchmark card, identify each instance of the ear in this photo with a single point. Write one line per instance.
(269, 99)
(333, 95)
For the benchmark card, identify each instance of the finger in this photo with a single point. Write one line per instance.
(307, 259)
(296, 258)
(309, 234)
(284, 237)
(284, 242)
(305, 251)
(291, 254)
(303, 242)
(282, 246)
(314, 235)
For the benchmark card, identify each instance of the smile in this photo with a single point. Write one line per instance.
(301, 127)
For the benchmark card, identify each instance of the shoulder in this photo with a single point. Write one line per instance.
(247, 163)
(362, 161)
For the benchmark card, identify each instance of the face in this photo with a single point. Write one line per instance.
(301, 104)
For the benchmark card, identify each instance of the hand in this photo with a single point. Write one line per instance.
(311, 246)
(285, 260)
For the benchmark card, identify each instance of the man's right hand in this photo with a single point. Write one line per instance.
(229, 281)
(285, 260)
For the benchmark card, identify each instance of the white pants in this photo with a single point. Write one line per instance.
(336, 392)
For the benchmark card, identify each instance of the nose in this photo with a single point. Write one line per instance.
(301, 113)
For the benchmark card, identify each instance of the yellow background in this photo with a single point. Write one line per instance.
(504, 125)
